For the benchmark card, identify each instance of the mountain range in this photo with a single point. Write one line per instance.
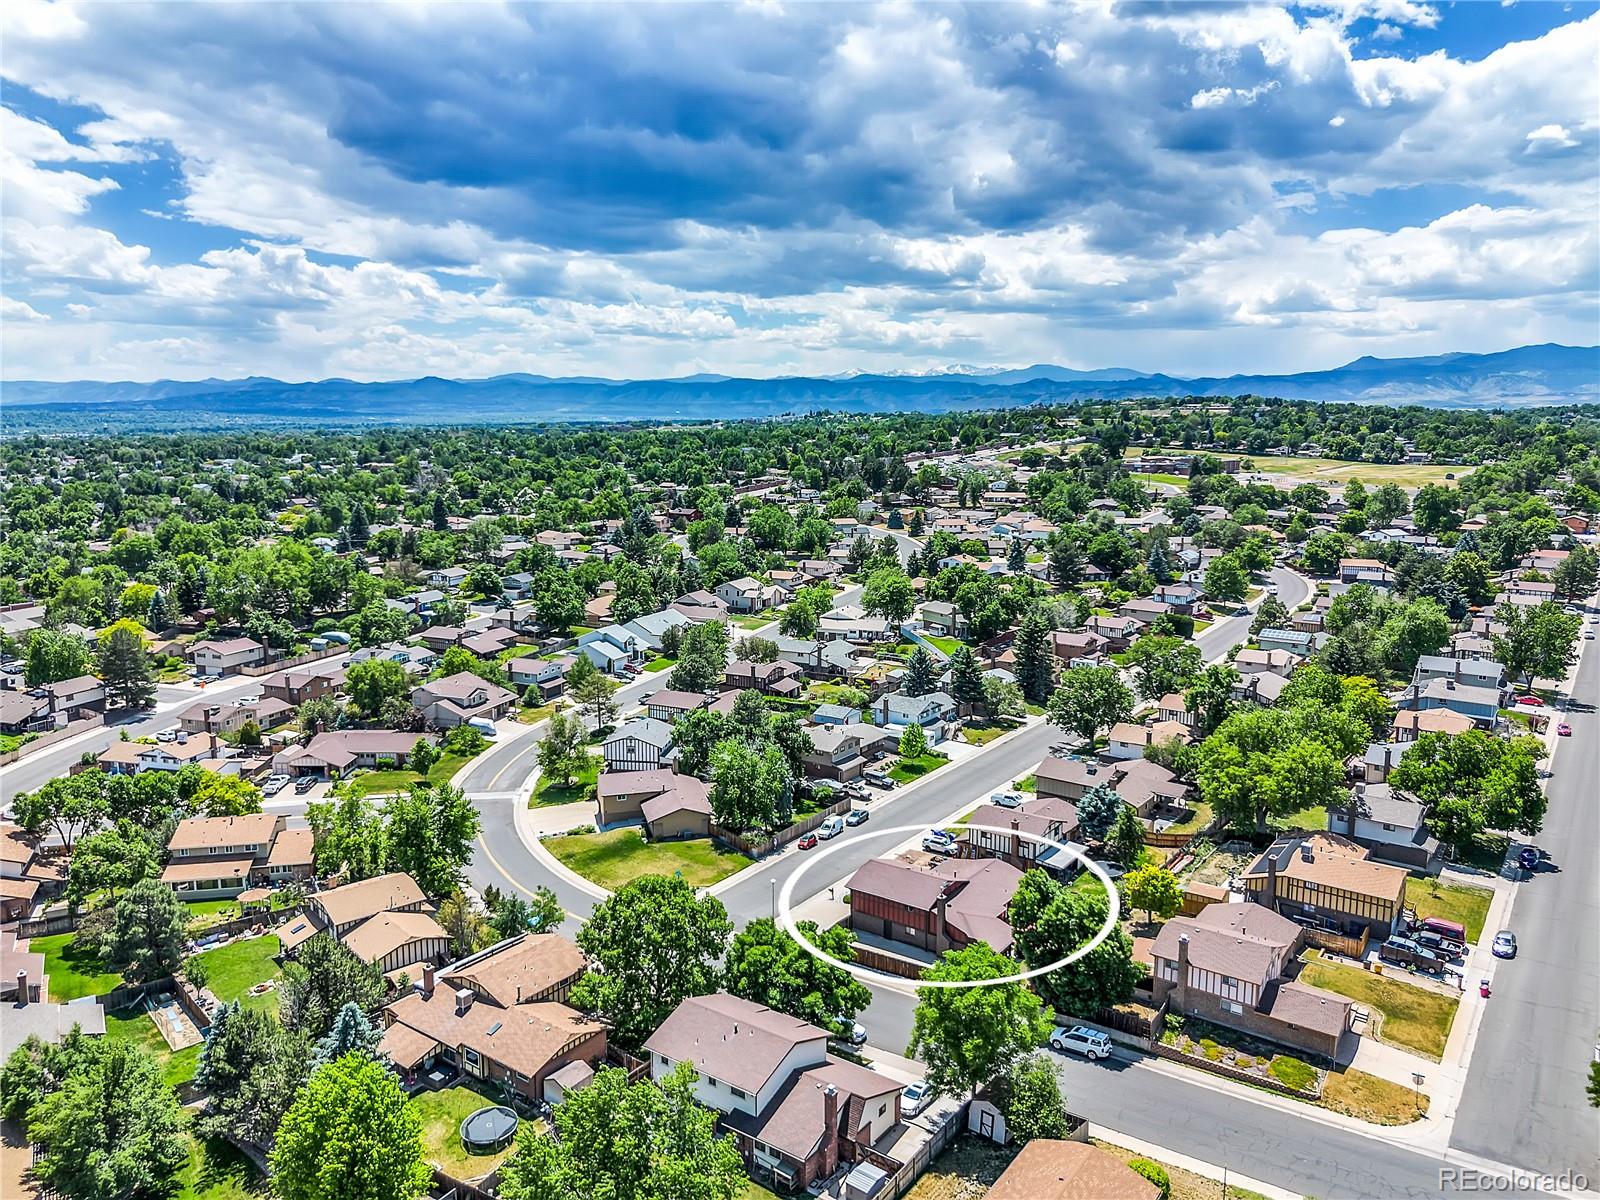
(1528, 375)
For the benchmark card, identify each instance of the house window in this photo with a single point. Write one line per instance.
(1233, 1006)
(1228, 981)
(739, 1092)
(471, 1056)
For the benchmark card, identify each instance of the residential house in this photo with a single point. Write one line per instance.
(852, 623)
(296, 687)
(1411, 723)
(934, 906)
(25, 712)
(1273, 662)
(650, 630)
(1480, 704)
(382, 920)
(1230, 964)
(213, 857)
(1329, 882)
(934, 712)
(1294, 641)
(842, 751)
(26, 876)
(612, 648)
(642, 744)
(1475, 672)
(133, 758)
(747, 595)
(1365, 570)
(266, 713)
(778, 678)
(225, 656)
(1390, 824)
(440, 638)
(340, 751)
(943, 619)
(1259, 687)
(76, 698)
(819, 659)
(622, 795)
(498, 1016)
(491, 642)
(1174, 708)
(1130, 741)
(1118, 632)
(1047, 1169)
(1043, 817)
(459, 698)
(1147, 787)
(1077, 647)
(448, 577)
(549, 675)
(792, 1108)
(669, 705)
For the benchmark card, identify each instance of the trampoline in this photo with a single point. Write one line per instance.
(488, 1130)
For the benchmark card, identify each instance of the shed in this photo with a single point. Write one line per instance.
(865, 1182)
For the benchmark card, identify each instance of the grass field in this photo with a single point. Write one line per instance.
(947, 644)
(1177, 481)
(1369, 1098)
(382, 783)
(547, 791)
(615, 858)
(73, 973)
(136, 1026)
(217, 1171)
(1451, 902)
(908, 769)
(442, 1113)
(982, 733)
(232, 970)
(1413, 1018)
(662, 662)
(1334, 472)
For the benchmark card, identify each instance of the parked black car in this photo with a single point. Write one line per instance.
(1408, 952)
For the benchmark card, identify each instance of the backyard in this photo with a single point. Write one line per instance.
(137, 1026)
(442, 1113)
(615, 858)
(547, 791)
(1227, 860)
(74, 971)
(1411, 1017)
(1460, 902)
(217, 1171)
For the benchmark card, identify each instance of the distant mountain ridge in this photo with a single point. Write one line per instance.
(1528, 375)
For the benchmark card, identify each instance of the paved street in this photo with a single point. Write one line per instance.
(1524, 1101)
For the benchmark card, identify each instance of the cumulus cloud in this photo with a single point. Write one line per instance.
(636, 190)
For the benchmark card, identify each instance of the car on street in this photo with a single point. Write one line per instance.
(1588, 635)
(857, 1035)
(807, 842)
(1505, 944)
(1530, 701)
(1563, 730)
(831, 828)
(914, 1098)
(1080, 1039)
(304, 784)
(856, 816)
(1528, 858)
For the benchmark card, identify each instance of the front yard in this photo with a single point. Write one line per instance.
(1369, 1098)
(1460, 902)
(1411, 1017)
(621, 856)
(442, 1113)
(385, 783)
(908, 769)
(547, 791)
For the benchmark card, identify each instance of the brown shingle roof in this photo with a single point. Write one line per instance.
(529, 967)
(1052, 1170)
(368, 897)
(210, 833)
(730, 1039)
(381, 935)
(524, 1038)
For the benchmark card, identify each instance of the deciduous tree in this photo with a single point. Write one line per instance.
(969, 1036)
(769, 967)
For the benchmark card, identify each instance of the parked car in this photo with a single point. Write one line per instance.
(1006, 799)
(808, 841)
(831, 828)
(1441, 946)
(1528, 858)
(878, 779)
(1563, 730)
(1450, 931)
(914, 1098)
(1407, 952)
(1505, 944)
(304, 784)
(1530, 701)
(1080, 1039)
(858, 1032)
(167, 735)
(938, 842)
(274, 785)
(856, 816)
(483, 726)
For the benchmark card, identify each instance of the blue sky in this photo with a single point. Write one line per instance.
(772, 188)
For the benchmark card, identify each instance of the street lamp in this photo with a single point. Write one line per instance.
(774, 884)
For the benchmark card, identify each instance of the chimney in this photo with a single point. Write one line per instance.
(1183, 971)
(1357, 793)
(427, 979)
(22, 988)
(830, 1123)
(1016, 841)
(1269, 895)
(940, 930)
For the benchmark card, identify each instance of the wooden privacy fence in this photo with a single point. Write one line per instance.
(45, 740)
(890, 964)
(758, 847)
(1326, 939)
(270, 668)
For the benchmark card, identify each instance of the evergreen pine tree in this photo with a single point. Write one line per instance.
(125, 668)
(1016, 557)
(351, 1031)
(915, 527)
(357, 528)
(1158, 564)
(966, 679)
(1035, 665)
(1066, 563)
(440, 514)
(920, 677)
(160, 614)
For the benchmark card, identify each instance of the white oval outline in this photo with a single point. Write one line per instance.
(871, 975)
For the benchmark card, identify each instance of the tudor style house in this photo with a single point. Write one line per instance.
(793, 1109)
(383, 920)
(1329, 882)
(641, 744)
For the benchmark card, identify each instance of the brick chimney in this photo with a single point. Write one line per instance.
(1183, 971)
(830, 1122)
(941, 932)
(1269, 895)
(427, 979)
(1016, 842)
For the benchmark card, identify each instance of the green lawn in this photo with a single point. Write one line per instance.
(442, 1113)
(1414, 1018)
(383, 783)
(947, 644)
(1451, 902)
(1313, 818)
(615, 858)
(1199, 817)
(547, 791)
(756, 620)
(217, 1171)
(232, 970)
(908, 769)
(1369, 1098)
(73, 973)
(1331, 470)
(662, 662)
(1177, 481)
(982, 733)
(1487, 852)
(136, 1026)
(534, 713)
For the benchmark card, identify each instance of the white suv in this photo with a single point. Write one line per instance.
(1080, 1039)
